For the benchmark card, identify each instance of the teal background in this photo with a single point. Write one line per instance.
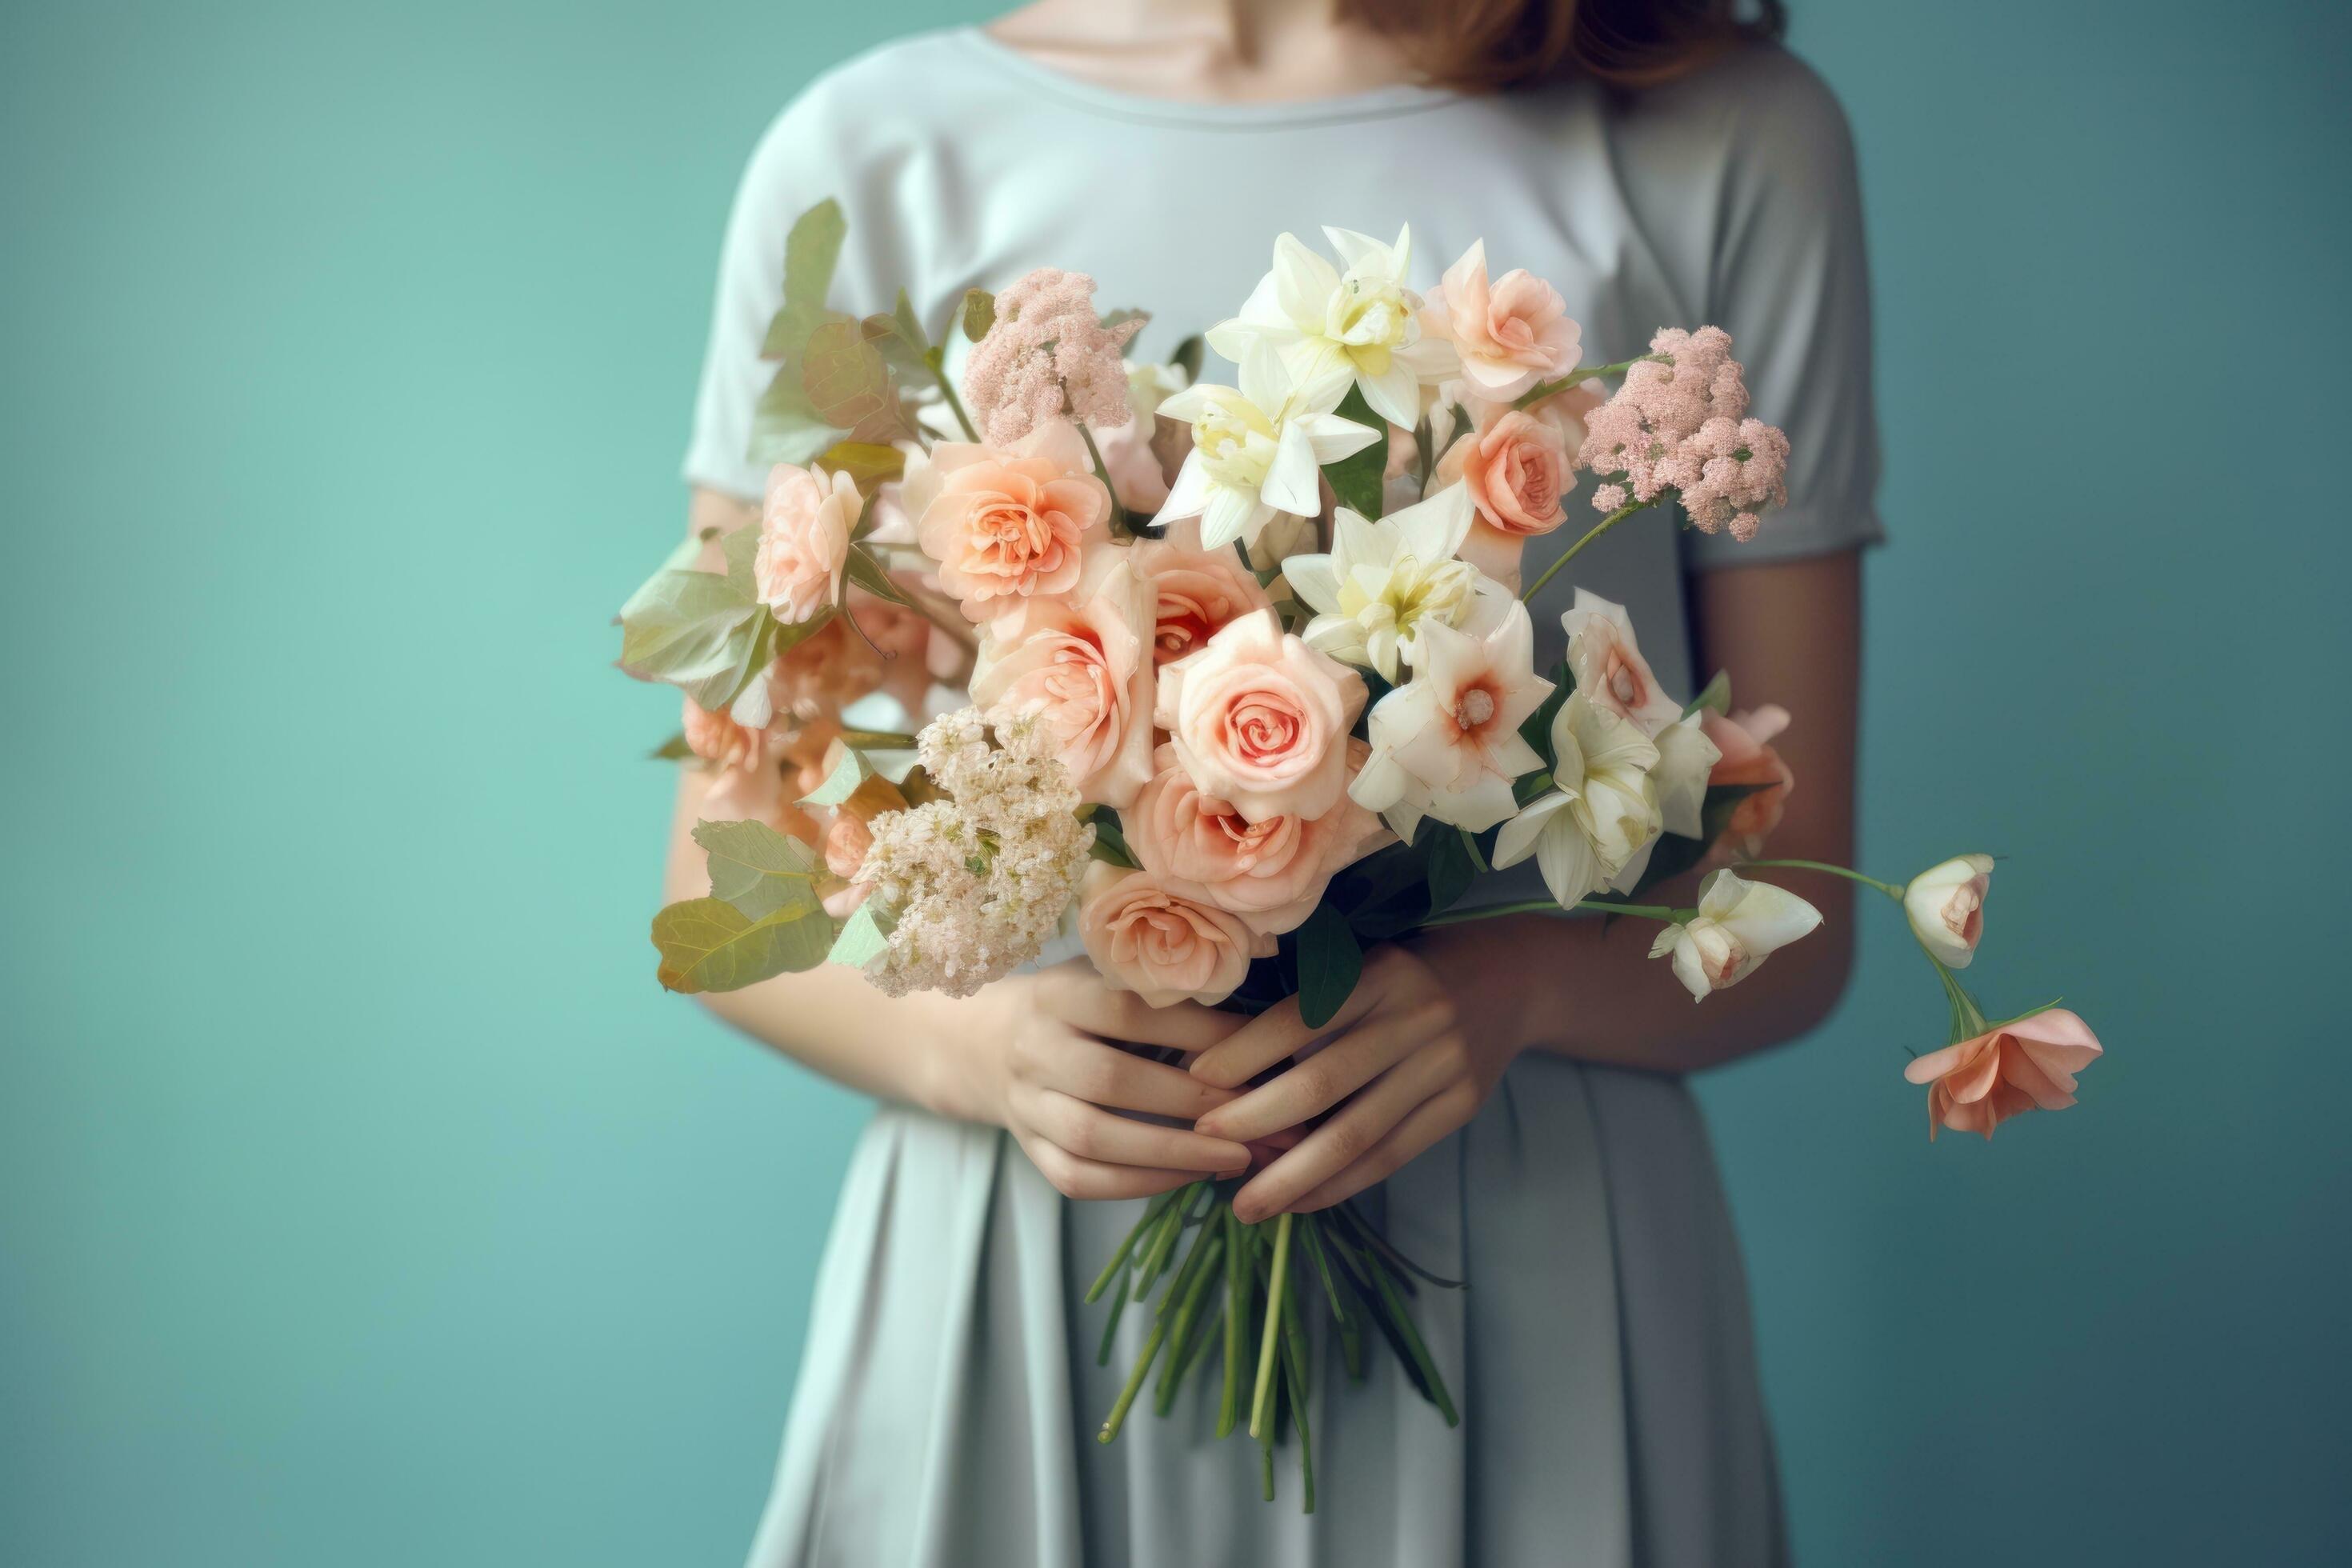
(362, 1199)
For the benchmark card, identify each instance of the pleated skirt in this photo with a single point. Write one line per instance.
(1602, 1358)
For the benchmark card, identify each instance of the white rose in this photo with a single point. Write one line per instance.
(1946, 904)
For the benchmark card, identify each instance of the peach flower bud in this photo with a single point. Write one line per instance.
(1158, 943)
(1739, 925)
(1260, 721)
(805, 530)
(2026, 1065)
(1946, 904)
(1747, 758)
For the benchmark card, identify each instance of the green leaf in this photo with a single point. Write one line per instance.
(1120, 318)
(708, 944)
(1330, 964)
(674, 750)
(979, 314)
(1356, 479)
(867, 463)
(1189, 355)
(900, 339)
(1717, 696)
(1452, 865)
(784, 428)
(842, 375)
(862, 940)
(867, 573)
(1535, 728)
(811, 251)
(758, 869)
(703, 632)
(1110, 840)
(842, 783)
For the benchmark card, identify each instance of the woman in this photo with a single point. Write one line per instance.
(1513, 1087)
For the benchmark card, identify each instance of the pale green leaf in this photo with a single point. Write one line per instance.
(842, 375)
(811, 251)
(868, 463)
(708, 944)
(784, 428)
(674, 750)
(1356, 479)
(867, 573)
(758, 871)
(1717, 696)
(863, 939)
(842, 783)
(979, 314)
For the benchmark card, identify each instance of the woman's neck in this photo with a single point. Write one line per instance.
(1220, 51)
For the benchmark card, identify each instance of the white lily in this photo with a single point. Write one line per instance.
(1362, 325)
(1446, 743)
(1258, 449)
(1602, 808)
(1685, 758)
(1384, 581)
(1740, 924)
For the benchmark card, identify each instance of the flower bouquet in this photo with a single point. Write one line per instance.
(1252, 688)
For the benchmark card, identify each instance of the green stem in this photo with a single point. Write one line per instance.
(1892, 889)
(1549, 907)
(1134, 1381)
(1119, 1260)
(1180, 1336)
(1528, 593)
(1102, 472)
(1269, 1341)
(1237, 1287)
(880, 739)
(1582, 374)
(955, 405)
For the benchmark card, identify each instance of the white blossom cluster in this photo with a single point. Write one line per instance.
(972, 886)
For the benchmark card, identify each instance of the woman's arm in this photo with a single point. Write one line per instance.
(1433, 1025)
(1031, 1053)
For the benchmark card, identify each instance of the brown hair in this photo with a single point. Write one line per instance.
(1487, 45)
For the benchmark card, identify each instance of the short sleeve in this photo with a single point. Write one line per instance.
(783, 179)
(1789, 280)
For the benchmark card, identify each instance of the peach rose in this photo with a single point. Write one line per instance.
(1162, 945)
(1511, 333)
(1747, 758)
(1271, 873)
(2028, 1065)
(1007, 527)
(1518, 468)
(1079, 664)
(803, 541)
(1196, 592)
(1260, 721)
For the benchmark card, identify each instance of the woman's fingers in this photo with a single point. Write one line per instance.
(1106, 1137)
(1274, 1036)
(1080, 998)
(1075, 1177)
(1347, 1137)
(1327, 1077)
(1427, 1122)
(1105, 1075)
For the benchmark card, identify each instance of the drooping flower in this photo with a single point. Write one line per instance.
(1510, 333)
(1383, 580)
(1331, 328)
(1680, 425)
(805, 527)
(1446, 743)
(1260, 721)
(1601, 810)
(1196, 592)
(1744, 742)
(1271, 872)
(1946, 906)
(1165, 945)
(1047, 356)
(1609, 665)
(1078, 666)
(1258, 449)
(1739, 926)
(2027, 1064)
(1005, 527)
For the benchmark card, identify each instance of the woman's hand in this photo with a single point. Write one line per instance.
(1406, 1064)
(1049, 1075)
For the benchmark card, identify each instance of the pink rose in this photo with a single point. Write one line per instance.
(1270, 872)
(1007, 527)
(1161, 944)
(2029, 1065)
(803, 541)
(1517, 465)
(1196, 592)
(1511, 333)
(1747, 758)
(1260, 721)
(1080, 666)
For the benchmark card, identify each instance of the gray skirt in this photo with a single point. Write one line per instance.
(1602, 1360)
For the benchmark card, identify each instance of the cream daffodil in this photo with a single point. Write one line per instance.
(1332, 327)
(1384, 580)
(1258, 449)
(1601, 812)
(1446, 743)
(1685, 758)
(1740, 924)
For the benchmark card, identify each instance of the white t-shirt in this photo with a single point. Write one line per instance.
(1725, 198)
